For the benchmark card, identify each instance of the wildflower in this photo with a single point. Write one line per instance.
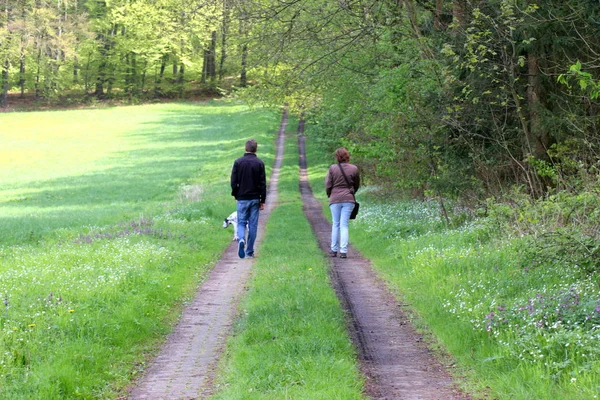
(71, 311)
(31, 325)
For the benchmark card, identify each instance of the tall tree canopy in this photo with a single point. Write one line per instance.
(455, 97)
(458, 97)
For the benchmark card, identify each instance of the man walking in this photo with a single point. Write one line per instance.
(249, 187)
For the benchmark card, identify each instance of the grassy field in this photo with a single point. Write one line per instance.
(108, 220)
(82, 168)
(518, 328)
(290, 340)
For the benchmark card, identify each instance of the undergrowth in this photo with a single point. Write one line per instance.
(512, 296)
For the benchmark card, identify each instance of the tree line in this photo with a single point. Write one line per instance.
(445, 98)
(54, 48)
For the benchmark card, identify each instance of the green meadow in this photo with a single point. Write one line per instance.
(94, 167)
(109, 219)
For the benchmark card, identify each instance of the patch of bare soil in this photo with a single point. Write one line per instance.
(184, 368)
(394, 359)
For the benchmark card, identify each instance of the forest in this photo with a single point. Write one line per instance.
(462, 99)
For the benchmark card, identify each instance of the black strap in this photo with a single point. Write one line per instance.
(347, 181)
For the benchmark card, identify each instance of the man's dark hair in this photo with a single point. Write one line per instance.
(251, 146)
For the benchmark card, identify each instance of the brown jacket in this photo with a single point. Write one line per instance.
(336, 187)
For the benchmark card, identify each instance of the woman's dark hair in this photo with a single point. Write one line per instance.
(342, 155)
(251, 146)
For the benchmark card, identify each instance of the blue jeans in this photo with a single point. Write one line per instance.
(340, 215)
(247, 213)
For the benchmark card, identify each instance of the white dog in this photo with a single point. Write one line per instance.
(232, 220)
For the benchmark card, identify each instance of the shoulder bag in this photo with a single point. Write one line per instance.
(356, 204)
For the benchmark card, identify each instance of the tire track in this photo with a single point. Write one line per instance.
(394, 360)
(185, 365)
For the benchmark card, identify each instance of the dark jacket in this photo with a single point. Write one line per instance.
(248, 180)
(336, 187)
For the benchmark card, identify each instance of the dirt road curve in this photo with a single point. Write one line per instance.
(395, 362)
(185, 366)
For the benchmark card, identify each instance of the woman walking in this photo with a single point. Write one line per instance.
(341, 183)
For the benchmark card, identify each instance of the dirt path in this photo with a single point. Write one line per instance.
(184, 368)
(393, 357)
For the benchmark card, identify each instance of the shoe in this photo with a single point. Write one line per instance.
(333, 254)
(250, 255)
(241, 250)
(343, 255)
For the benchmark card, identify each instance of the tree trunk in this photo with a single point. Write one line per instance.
(135, 85)
(243, 33)
(459, 12)
(143, 77)
(538, 139)
(86, 76)
(437, 15)
(163, 66)
(205, 67)
(111, 75)
(243, 78)
(23, 51)
(58, 53)
(212, 72)
(161, 74)
(6, 63)
(4, 94)
(224, 35)
(131, 81)
(127, 74)
(76, 71)
(181, 76)
(38, 73)
(22, 74)
(101, 77)
(99, 91)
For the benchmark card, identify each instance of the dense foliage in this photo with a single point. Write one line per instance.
(461, 97)
(491, 102)
(112, 47)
